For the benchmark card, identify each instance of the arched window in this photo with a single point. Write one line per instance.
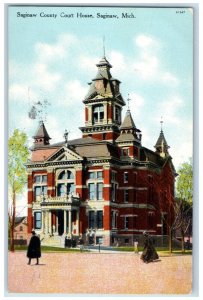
(62, 175)
(98, 113)
(70, 175)
(65, 183)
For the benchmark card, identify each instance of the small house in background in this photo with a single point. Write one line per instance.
(21, 232)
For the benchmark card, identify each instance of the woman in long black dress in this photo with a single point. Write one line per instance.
(149, 253)
(34, 248)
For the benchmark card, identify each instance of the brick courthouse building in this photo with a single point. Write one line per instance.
(105, 186)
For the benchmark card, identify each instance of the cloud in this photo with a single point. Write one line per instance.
(43, 78)
(19, 92)
(148, 64)
(75, 92)
(145, 42)
(170, 110)
(53, 52)
(49, 52)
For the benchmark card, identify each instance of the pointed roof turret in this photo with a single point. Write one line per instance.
(161, 145)
(41, 137)
(129, 132)
(128, 122)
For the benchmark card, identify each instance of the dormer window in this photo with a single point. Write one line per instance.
(125, 152)
(98, 113)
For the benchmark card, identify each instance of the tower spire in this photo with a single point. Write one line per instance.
(161, 122)
(161, 144)
(128, 100)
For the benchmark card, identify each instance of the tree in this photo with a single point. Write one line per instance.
(184, 200)
(17, 158)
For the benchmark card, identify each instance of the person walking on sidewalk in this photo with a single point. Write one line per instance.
(149, 253)
(34, 248)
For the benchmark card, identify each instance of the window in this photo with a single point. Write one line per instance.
(95, 185)
(44, 178)
(37, 179)
(96, 175)
(126, 196)
(99, 219)
(113, 219)
(98, 113)
(125, 152)
(114, 191)
(61, 189)
(125, 177)
(37, 220)
(99, 174)
(21, 228)
(92, 175)
(37, 191)
(40, 191)
(62, 175)
(70, 175)
(70, 188)
(113, 176)
(91, 191)
(40, 179)
(99, 191)
(126, 222)
(118, 114)
(91, 219)
(66, 183)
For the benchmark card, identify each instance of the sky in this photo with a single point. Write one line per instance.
(54, 58)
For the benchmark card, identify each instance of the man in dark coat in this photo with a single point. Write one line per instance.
(34, 248)
(149, 253)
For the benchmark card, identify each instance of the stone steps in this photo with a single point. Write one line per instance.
(54, 241)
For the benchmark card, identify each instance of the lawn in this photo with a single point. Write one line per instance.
(161, 250)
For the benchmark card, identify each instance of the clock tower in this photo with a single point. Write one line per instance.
(103, 105)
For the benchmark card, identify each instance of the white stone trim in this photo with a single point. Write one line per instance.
(129, 215)
(80, 186)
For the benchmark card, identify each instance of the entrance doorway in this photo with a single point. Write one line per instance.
(60, 222)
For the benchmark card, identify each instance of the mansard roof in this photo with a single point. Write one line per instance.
(107, 89)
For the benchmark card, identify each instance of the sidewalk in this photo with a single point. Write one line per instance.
(88, 273)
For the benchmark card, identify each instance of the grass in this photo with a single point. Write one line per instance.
(49, 249)
(162, 250)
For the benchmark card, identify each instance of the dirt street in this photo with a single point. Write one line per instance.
(99, 273)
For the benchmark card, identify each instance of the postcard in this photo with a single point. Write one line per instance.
(100, 150)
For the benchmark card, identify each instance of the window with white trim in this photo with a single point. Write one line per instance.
(113, 219)
(126, 196)
(37, 220)
(98, 113)
(65, 183)
(91, 219)
(95, 185)
(40, 186)
(99, 219)
(126, 222)
(125, 177)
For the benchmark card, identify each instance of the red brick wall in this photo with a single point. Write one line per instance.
(107, 218)
(30, 220)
